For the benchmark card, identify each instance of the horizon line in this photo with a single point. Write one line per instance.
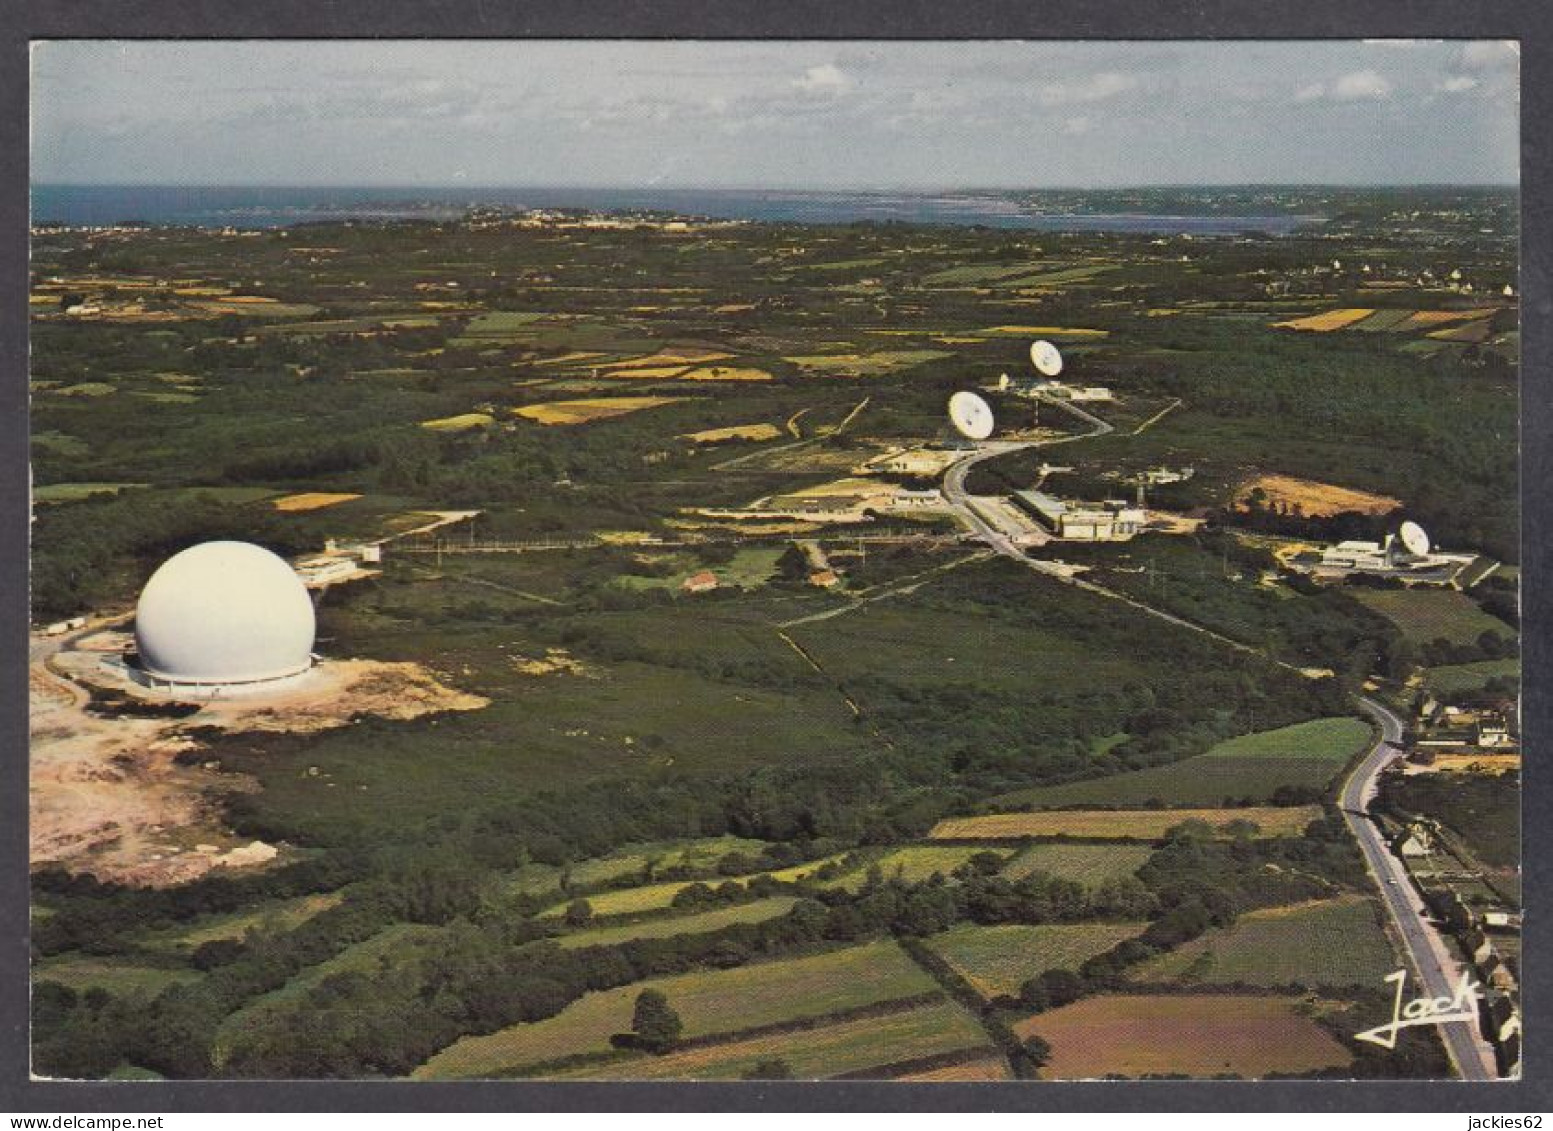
(1117, 187)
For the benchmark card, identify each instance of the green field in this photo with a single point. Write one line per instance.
(119, 976)
(1056, 278)
(1334, 942)
(1454, 679)
(1249, 767)
(398, 944)
(756, 912)
(655, 897)
(997, 960)
(1124, 824)
(1425, 615)
(630, 718)
(941, 647)
(280, 915)
(1088, 864)
(871, 364)
(75, 492)
(810, 1054)
(974, 274)
(717, 1001)
(1485, 809)
(633, 859)
(913, 864)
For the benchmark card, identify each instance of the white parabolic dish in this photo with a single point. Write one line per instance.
(224, 612)
(1046, 358)
(1414, 539)
(970, 415)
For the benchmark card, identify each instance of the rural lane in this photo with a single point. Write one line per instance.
(1437, 970)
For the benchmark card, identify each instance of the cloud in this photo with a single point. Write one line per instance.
(781, 112)
(1360, 85)
(1096, 88)
(827, 78)
(1490, 54)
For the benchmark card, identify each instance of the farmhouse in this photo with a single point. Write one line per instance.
(1415, 840)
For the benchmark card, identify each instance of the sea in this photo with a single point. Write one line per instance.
(274, 207)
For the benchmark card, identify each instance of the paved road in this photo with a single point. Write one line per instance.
(955, 494)
(1433, 964)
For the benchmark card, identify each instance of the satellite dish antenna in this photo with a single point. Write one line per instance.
(970, 415)
(1412, 536)
(1046, 358)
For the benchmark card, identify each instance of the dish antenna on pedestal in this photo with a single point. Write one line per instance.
(970, 415)
(1046, 358)
(1413, 539)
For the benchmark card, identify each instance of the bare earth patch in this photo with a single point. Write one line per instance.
(109, 794)
(555, 661)
(1315, 498)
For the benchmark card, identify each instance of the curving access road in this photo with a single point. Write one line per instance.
(1435, 967)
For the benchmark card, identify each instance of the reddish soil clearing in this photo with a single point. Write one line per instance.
(1201, 1035)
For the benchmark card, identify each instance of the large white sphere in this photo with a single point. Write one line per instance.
(224, 612)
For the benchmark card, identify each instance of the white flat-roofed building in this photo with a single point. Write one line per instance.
(1389, 559)
(1110, 521)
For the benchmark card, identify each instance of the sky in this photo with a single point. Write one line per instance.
(870, 115)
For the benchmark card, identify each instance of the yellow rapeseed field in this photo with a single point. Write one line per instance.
(311, 501)
(1048, 331)
(586, 411)
(725, 373)
(1330, 320)
(459, 423)
(736, 432)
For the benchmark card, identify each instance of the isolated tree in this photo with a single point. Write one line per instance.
(773, 1069)
(579, 913)
(654, 1022)
(1062, 986)
(1037, 1050)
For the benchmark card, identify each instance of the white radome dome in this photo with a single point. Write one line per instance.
(224, 612)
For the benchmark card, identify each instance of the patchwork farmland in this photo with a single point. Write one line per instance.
(877, 795)
(766, 993)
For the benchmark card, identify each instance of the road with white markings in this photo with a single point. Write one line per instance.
(1436, 969)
